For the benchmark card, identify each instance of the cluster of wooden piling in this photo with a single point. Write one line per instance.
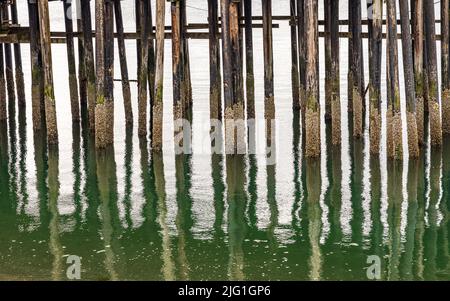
(231, 23)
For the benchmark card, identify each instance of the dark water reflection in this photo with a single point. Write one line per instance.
(133, 214)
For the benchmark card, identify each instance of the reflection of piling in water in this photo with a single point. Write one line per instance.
(408, 258)
(313, 184)
(107, 183)
(432, 214)
(394, 217)
(4, 162)
(168, 268)
(184, 214)
(217, 167)
(53, 195)
(235, 170)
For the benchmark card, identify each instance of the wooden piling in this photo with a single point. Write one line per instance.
(394, 122)
(328, 83)
(445, 65)
(312, 115)
(82, 79)
(294, 56)
(20, 85)
(86, 20)
(159, 78)
(249, 69)
(187, 87)
(36, 66)
(227, 75)
(151, 66)
(357, 91)
(3, 114)
(215, 100)
(9, 69)
(334, 74)
(73, 83)
(137, 8)
(177, 63)
(49, 94)
(419, 74)
(104, 108)
(143, 69)
(408, 67)
(269, 100)
(375, 53)
(432, 73)
(126, 91)
(109, 69)
(302, 59)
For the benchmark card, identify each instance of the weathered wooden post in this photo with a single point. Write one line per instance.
(419, 73)
(20, 85)
(356, 69)
(3, 115)
(143, 69)
(104, 108)
(49, 94)
(177, 63)
(187, 88)
(334, 74)
(302, 59)
(227, 74)
(394, 121)
(445, 65)
(9, 68)
(109, 68)
(73, 83)
(159, 78)
(294, 53)
(215, 100)
(36, 65)
(82, 79)
(312, 115)
(432, 73)
(86, 20)
(250, 78)
(269, 100)
(408, 67)
(375, 53)
(328, 83)
(237, 62)
(151, 61)
(123, 63)
(137, 8)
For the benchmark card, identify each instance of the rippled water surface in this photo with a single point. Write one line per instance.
(131, 214)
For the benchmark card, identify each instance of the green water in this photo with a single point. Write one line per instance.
(372, 208)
